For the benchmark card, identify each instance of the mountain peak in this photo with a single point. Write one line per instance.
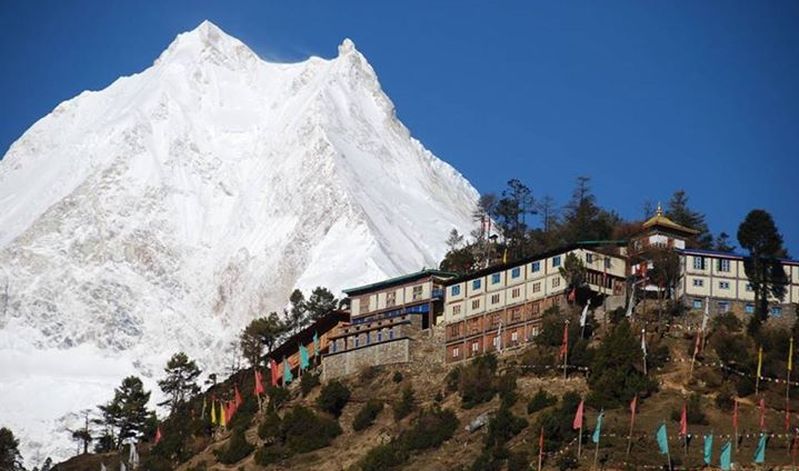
(207, 42)
(346, 47)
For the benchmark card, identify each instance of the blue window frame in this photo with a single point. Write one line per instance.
(724, 306)
(455, 290)
(476, 284)
(776, 311)
(379, 336)
(515, 272)
(536, 266)
(556, 261)
(749, 308)
(495, 278)
(697, 304)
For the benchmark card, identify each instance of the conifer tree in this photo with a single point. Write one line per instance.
(320, 303)
(260, 333)
(10, 458)
(679, 212)
(758, 235)
(180, 383)
(297, 312)
(126, 414)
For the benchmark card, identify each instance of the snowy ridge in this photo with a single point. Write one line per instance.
(167, 210)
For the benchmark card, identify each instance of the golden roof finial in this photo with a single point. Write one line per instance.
(660, 210)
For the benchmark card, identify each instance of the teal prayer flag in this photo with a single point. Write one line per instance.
(287, 376)
(304, 362)
(726, 456)
(760, 452)
(663, 439)
(598, 429)
(315, 344)
(708, 448)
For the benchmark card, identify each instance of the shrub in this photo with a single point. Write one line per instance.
(557, 423)
(744, 386)
(567, 461)
(267, 455)
(243, 416)
(728, 321)
(333, 398)
(477, 383)
(303, 431)
(453, 378)
(725, 399)
(368, 374)
(405, 404)
(367, 415)
(269, 429)
(518, 461)
(506, 387)
(540, 400)
(397, 378)
(308, 381)
(502, 427)
(693, 411)
(387, 456)
(431, 429)
(277, 397)
(237, 449)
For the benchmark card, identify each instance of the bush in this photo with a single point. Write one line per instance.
(367, 375)
(725, 399)
(540, 400)
(431, 429)
(397, 378)
(237, 449)
(333, 398)
(308, 381)
(405, 404)
(745, 386)
(303, 431)
(277, 397)
(567, 461)
(477, 381)
(557, 423)
(506, 387)
(367, 415)
(502, 427)
(518, 461)
(693, 411)
(267, 455)
(387, 456)
(269, 429)
(243, 416)
(453, 379)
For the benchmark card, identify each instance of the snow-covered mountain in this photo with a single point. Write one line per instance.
(164, 212)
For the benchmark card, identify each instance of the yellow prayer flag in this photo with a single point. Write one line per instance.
(505, 256)
(759, 361)
(790, 355)
(222, 418)
(213, 412)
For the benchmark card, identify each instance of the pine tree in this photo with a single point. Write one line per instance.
(180, 383)
(455, 240)
(758, 235)
(297, 313)
(722, 243)
(260, 333)
(10, 459)
(320, 303)
(126, 415)
(584, 219)
(679, 212)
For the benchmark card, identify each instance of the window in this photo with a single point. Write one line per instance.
(391, 299)
(417, 292)
(556, 261)
(357, 342)
(475, 347)
(699, 263)
(515, 272)
(536, 287)
(516, 315)
(589, 258)
(476, 304)
(495, 278)
(455, 290)
(724, 306)
(515, 292)
(697, 304)
(456, 310)
(699, 282)
(776, 311)
(456, 352)
(365, 304)
(494, 299)
(535, 266)
(607, 262)
(379, 336)
(749, 287)
(333, 347)
(391, 334)
(724, 285)
(476, 284)
(724, 265)
(368, 338)
(536, 308)
(556, 282)
(514, 337)
(749, 308)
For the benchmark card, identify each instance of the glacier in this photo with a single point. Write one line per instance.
(164, 212)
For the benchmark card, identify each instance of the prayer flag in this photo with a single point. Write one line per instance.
(304, 360)
(643, 341)
(631, 304)
(762, 413)
(598, 429)
(790, 355)
(684, 421)
(213, 412)
(578, 417)
(158, 435)
(725, 459)
(275, 372)
(237, 395)
(222, 415)
(315, 344)
(584, 315)
(760, 451)
(708, 449)
(287, 376)
(735, 415)
(759, 361)
(633, 407)
(564, 348)
(663, 439)
(259, 384)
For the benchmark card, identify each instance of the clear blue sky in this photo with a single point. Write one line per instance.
(644, 97)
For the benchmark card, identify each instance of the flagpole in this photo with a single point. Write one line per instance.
(632, 421)
(759, 369)
(643, 349)
(565, 351)
(579, 441)
(541, 450)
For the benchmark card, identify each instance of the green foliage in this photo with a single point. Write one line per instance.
(567, 461)
(180, 383)
(269, 430)
(277, 397)
(245, 413)
(573, 271)
(502, 427)
(308, 381)
(693, 411)
(303, 431)
(727, 321)
(261, 332)
(557, 423)
(583, 218)
(320, 303)
(615, 378)
(679, 212)
(725, 399)
(126, 415)
(10, 458)
(178, 432)
(367, 414)
(453, 378)
(506, 388)
(368, 374)
(270, 454)
(462, 260)
(382, 457)
(758, 235)
(405, 405)
(476, 381)
(397, 378)
(333, 398)
(518, 461)
(540, 400)
(237, 449)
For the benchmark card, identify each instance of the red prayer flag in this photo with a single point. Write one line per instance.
(578, 417)
(762, 414)
(259, 384)
(157, 435)
(572, 295)
(275, 373)
(684, 421)
(565, 347)
(239, 400)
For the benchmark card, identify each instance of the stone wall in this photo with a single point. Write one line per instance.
(351, 361)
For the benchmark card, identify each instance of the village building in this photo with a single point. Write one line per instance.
(288, 353)
(386, 316)
(502, 306)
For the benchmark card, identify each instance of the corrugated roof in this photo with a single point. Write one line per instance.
(399, 280)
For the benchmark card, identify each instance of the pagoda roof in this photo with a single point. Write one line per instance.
(660, 220)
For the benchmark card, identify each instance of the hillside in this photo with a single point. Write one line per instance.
(709, 393)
